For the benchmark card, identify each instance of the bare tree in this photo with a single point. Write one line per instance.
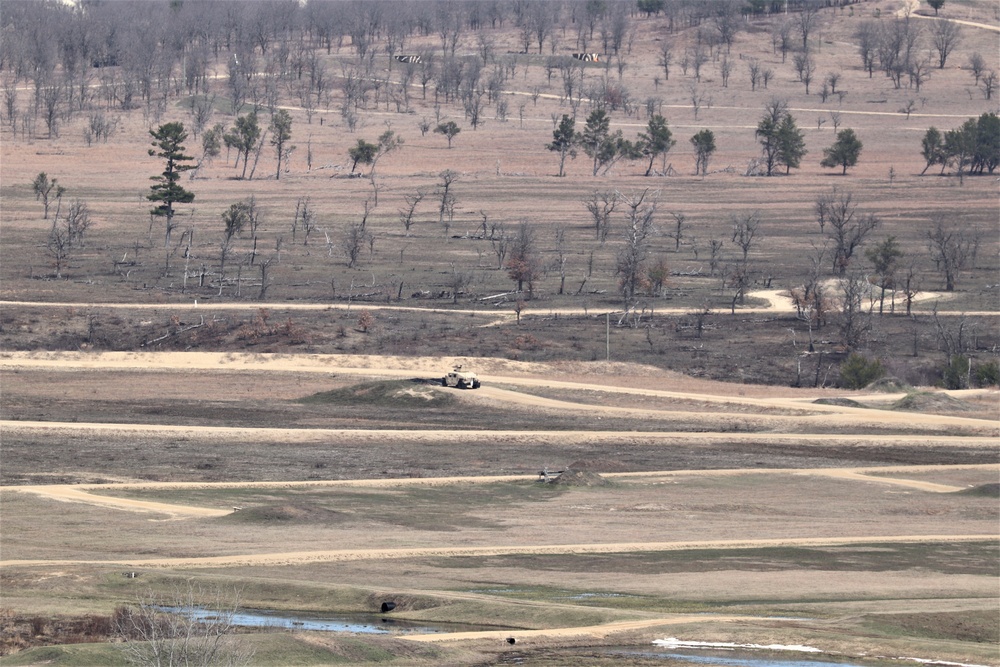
(446, 194)
(746, 232)
(305, 218)
(640, 211)
(354, 237)
(848, 226)
(500, 242)
(805, 66)
(855, 317)
(952, 249)
(78, 221)
(989, 83)
(523, 265)
(406, 214)
(168, 630)
(808, 21)
(664, 58)
(47, 189)
(977, 65)
(680, 222)
(945, 36)
(754, 70)
(59, 246)
(601, 205)
(458, 282)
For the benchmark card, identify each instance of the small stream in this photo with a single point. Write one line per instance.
(372, 624)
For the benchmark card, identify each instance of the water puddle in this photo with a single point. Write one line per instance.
(372, 624)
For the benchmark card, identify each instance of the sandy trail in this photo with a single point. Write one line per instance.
(598, 631)
(367, 366)
(348, 555)
(91, 493)
(777, 301)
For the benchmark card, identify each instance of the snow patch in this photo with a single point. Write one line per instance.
(673, 642)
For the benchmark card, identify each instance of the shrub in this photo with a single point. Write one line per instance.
(859, 371)
(988, 374)
(956, 373)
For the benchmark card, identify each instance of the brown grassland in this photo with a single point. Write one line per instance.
(299, 448)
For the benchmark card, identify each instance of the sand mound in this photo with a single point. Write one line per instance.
(580, 478)
(284, 513)
(930, 402)
(991, 490)
(841, 402)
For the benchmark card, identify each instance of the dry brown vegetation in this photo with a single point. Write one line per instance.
(145, 397)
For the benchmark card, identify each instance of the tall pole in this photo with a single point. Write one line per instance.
(607, 336)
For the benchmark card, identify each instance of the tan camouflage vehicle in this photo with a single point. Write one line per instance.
(461, 379)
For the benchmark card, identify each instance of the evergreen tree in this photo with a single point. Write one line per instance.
(791, 143)
(844, 152)
(169, 140)
(656, 141)
(243, 137)
(987, 153)
(704, 146)
(564, 141)
(595, 136)
(933, 149)
(281, 134)
(781, 141)
(362, 153)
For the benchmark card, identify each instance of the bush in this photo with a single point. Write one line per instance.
(956, 373)
(858, 371)
(988, 374)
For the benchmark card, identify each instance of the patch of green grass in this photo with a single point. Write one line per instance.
(390, 393)
(843, 402)
(78, 655)
(991, 490)
(963, 558)
(448, 507)
(967, 626)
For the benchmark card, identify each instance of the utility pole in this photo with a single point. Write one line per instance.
(607, 336)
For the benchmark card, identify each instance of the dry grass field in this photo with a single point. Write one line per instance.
(299, 448)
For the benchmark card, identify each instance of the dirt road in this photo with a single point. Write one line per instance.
(390, 367)
(776, 301)
(92, 493)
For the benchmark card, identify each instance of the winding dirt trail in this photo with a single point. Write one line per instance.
(803, 408)
(91, 494)
(777, 301)
(598, 631)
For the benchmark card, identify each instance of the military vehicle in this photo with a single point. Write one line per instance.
(461, 379)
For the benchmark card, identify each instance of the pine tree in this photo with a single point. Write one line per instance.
(564, 141)
(169, 140)
(791, 144)
(844, 152)
(656, 141)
